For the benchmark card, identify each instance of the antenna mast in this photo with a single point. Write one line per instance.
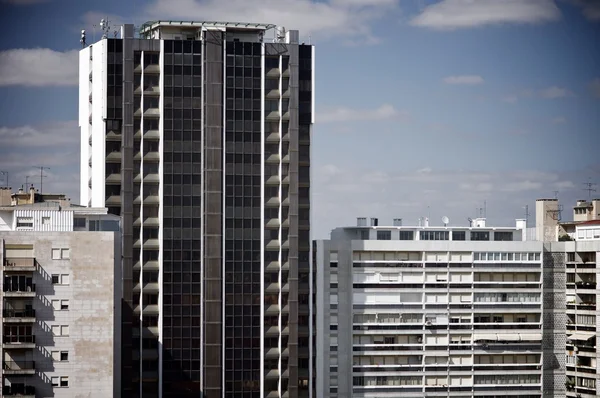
(527, 214)
(590, 187)
(42, 168)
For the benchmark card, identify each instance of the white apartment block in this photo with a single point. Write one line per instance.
(448, 311)
(60, 304)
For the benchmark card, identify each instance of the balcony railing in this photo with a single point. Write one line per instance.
(27, 313)
(18, 288)
(19, 263)
(19, 365)
(19, 339)
(13, 391)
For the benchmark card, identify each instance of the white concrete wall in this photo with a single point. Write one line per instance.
(84, 109)
(46, 220)
(99, 88)
(6, 220)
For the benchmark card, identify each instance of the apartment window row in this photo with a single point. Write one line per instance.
(386, 381)
(388, 318)
(506, 297)
(588, 233)
(507, 379)
(60, 279)
(60, 330)
(61, 254)
(586, 320)
(60, 381)
(506, 256)
(386, 360)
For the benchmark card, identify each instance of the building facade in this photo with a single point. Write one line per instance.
(439, 311)
(198, 135)
(60, 301)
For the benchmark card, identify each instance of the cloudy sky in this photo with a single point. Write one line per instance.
(424, 107)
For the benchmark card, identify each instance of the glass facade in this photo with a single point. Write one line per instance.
(243, 146)
(182, 222)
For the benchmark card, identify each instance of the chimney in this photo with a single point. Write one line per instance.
(31, 194)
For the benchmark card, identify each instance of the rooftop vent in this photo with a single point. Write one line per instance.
(361, 221)
(374, 222)
(397, 222)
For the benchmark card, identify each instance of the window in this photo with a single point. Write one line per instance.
(480, 235)
(64, 355)
(56, 305)
(60, 254)
(78, 222)
(60, 330)
(434, 235)
(60, 279)
(503, 236)
(60, 356)
(364, 234)
(406, 235)
(45, 220)
(384, 235)
(55, 330)
(458, 235)
(64, 381)
(64, 330)
(55, 381)
(24, 222)
(64, 305)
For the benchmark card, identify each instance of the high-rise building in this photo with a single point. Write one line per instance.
(414, 311)
(198, 135)
(60, 268)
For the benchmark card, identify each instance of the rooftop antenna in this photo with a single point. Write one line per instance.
(82, 40)
(485, 209)
(590, 187)
(42, 168)
(470, 221)
(556, 194)
(5, 173)
(27, 181)
(527, 214)
(104, 26)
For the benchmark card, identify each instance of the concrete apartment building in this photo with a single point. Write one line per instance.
(198, 135)
(60, 298)
(581, 241)
(445, 311)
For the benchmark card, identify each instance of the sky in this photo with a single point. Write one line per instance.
(424, 108)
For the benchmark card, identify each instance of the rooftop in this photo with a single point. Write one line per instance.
(152, 25)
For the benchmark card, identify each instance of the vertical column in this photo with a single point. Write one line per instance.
(127, 210)
(554, 324)
(213, 217)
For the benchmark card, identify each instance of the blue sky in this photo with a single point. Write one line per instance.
(424, 107)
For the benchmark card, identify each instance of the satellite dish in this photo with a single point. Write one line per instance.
(445, 220)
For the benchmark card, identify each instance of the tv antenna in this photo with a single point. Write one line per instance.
(527, 214)
(42, 168)
(27, 181)
(589, 187)
(556, 194)
(5, 173)
(105, 27)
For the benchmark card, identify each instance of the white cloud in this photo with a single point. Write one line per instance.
(464, 79)
(38, 67)
(554, 92)
(46, 135)
(456, 193)
(343, 114)
(589, 8)
(350, 19)
(457, 14)
(595, 87)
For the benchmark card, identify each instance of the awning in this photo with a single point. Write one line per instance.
(485, 336)
(509, 337)
(531, 336)
(582, 336)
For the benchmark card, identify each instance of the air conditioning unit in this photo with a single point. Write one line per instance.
(427, 323)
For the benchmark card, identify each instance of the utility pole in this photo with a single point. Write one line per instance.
(42, 168)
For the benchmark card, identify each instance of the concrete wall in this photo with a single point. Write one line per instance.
(93, 290)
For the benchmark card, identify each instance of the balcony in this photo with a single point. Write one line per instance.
(19, 291)
(586, 285)
(18, 342)
(19, 265)
(19, 316)
(19, 367)
(19, 391)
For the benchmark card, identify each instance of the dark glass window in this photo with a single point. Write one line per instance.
(459, 235)
(384, 235)
(503, 236)
(480, 235)
(406, 235)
